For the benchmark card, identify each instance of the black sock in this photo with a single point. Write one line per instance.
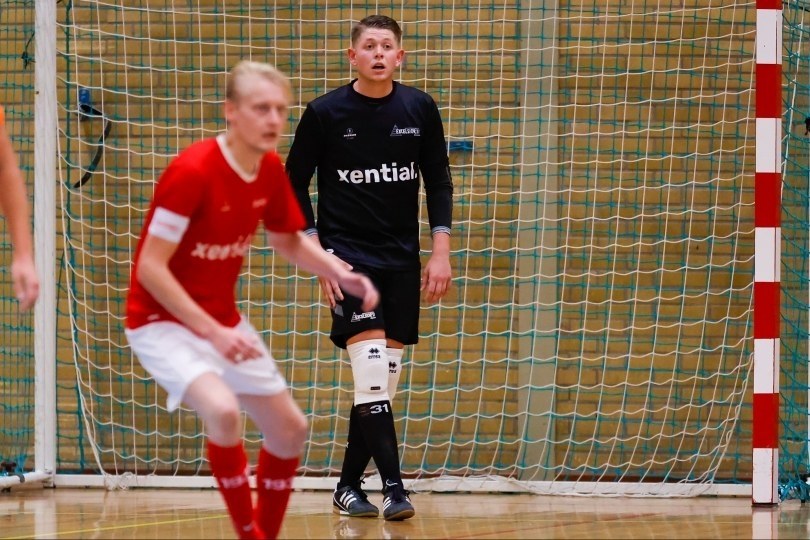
(357, 455)
(377, 425)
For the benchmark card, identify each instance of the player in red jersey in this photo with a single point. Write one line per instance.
(14, 205)
(182, 320)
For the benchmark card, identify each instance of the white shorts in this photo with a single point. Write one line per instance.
(174, 356)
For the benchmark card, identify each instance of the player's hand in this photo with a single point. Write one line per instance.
(26, 283)
(235, 345)
(331, 288)
(360, 286)
(436, 278)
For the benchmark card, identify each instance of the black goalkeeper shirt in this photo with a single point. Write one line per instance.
(370, 154)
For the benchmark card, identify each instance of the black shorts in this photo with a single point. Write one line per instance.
(397, 312)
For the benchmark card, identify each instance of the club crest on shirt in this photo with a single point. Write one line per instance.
(399, 132)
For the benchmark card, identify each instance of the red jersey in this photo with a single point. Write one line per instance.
(211, 211)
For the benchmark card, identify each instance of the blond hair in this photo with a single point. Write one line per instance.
(248, 67)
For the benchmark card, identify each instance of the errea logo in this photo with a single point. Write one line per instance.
(350, 134)
(399, 132)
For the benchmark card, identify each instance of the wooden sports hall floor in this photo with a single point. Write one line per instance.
(142, 513)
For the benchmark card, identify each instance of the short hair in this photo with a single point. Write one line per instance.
(376, 21)
(247, 67)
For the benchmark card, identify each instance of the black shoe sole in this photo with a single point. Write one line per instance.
(401, 515)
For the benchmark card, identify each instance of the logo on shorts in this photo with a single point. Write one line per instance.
(350, 134)
(360, 316)
(392, 367)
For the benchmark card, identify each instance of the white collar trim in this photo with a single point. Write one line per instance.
(226, 152)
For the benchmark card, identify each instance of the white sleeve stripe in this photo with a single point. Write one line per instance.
(168, 225)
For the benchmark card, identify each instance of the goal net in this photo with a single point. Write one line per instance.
(598, 335)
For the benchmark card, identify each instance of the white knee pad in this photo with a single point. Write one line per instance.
(394, 370)
(370, 370)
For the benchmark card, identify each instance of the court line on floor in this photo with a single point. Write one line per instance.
(117, 527)
(557, 525)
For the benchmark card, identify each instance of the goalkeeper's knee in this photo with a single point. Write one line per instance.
(370, 370)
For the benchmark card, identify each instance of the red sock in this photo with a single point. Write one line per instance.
(229, 465)
(274, 480)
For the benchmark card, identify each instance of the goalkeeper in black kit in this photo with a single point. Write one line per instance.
(370, 142)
